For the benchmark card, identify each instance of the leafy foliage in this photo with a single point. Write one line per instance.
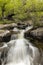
(21, 10)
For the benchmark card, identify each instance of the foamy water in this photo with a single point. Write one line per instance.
(22, 52)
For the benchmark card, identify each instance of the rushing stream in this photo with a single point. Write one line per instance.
(22, 52)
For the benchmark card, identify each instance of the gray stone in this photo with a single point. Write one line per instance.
(8, 26)
(35, 33)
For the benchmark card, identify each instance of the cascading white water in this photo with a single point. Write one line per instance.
(22, 52)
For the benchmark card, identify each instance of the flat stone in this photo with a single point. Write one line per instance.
(8, 26)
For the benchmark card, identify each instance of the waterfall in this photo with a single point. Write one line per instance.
(22, 52)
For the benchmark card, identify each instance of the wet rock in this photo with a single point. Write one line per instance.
(8, 26)
(14, 31)
(36, 33)
(2, 46)
(4, 35)
(22, 25)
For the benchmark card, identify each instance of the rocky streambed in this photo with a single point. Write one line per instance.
(7, 30)
(10, 31)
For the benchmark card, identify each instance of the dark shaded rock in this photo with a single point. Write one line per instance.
(5, 35)
(38, 33)
(35, 33)
(6, 38)
(22, 25)
(3, 52)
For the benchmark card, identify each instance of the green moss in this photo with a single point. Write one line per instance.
(6, 21)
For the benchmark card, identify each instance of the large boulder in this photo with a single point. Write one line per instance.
(35, 33)
(8, 26)
(38, 33)
(4, 35)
